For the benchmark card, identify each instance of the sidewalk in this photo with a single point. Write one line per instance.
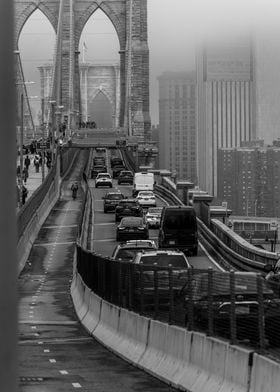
(34, 179)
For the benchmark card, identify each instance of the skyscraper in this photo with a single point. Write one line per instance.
(225, 112)
(177, 124)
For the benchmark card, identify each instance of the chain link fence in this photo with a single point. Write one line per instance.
(239, 306)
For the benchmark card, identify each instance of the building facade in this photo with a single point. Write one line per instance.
(249, 180)
(226, 104)
(177, 124)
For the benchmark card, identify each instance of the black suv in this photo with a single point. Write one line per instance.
(128, 207)
(125, 177)
(111, 200)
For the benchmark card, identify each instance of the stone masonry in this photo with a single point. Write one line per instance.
(68, 17)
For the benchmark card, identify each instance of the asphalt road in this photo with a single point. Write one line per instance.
(55, 352)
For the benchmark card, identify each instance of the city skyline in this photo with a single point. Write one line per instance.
(172, 37)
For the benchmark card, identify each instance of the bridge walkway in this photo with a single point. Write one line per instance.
(55, 351)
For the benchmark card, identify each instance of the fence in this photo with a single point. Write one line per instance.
(240, 307)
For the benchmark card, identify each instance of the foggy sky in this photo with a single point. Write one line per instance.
(175, 27)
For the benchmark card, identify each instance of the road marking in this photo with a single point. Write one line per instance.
(52, 360)
(76, 385)
(59, 227)
(104, 224)
(63, 372)
(106, 240)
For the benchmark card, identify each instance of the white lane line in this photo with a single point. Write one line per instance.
(106, 240)
(76, 385)
(60, 227)
(104, 224)
(63, 372)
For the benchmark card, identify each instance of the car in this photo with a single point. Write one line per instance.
(111, 200)
(127, 250)
(116, 170)
(99, 161)
(155, 272)
(153, 216)
(125, 177)
(103, 179)
(132, 227)
(128, 207)
(245, 306)
(146, 198)
(116, 161)
(98, 169)
(178, 229)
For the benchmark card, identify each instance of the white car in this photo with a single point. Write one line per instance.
(146, 198)
(153, 216)
(103, 179)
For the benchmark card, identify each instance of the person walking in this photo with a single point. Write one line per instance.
(27, 162)
(74, 189)
(24, 194)
(36, 163)
(25, 174)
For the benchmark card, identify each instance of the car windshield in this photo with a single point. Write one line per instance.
(164, 260)
(126, 253)
(114, 196)
(154, 211)
(128, 222)
(128, 203)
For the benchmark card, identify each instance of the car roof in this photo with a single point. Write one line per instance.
(138, 244)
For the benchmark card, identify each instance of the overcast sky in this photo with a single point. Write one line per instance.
(174, 27)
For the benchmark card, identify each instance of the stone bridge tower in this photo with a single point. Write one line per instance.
(68, 17)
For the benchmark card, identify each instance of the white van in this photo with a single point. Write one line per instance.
(143, 181)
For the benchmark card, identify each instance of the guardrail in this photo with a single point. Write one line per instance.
(32, 215)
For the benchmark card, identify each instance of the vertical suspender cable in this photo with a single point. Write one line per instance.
(8, 238)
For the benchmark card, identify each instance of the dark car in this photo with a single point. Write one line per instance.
(111, 200)
(99, 161)
(128, 250)
(178, 229)
(116, 170)
(132, 227)
(128, 207)
(153, 275)
(98, 169)
(125, 177)
(246, 305)
(116, 161)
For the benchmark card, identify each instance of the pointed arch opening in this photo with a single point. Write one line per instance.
(100, 71)
(36, 46)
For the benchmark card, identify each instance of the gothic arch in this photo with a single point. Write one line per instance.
(104, 92)
(113, 16)
(23, 16)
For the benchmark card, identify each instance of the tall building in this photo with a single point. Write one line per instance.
(249, 180)
(226, 104)
(177, 124)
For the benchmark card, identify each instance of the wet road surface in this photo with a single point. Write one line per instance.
(56, 354)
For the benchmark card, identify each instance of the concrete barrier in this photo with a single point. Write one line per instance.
(107, 330)
(156, 342)
(92, 317)
(193, 369)
(238, 370)
(176, 353)
(212, 365)
(265, 375)
(134, 332)
(78, 292)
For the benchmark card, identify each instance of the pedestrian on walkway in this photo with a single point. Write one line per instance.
(24, 194)
(36, 163)
(25, 174)
(27, 162)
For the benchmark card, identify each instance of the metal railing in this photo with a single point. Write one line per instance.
(241, 307)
